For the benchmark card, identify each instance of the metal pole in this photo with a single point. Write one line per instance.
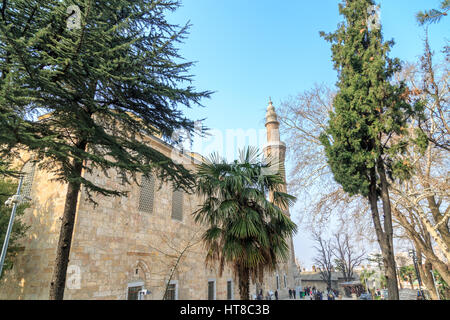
(418, 273)
(434, 282)
(10, 225)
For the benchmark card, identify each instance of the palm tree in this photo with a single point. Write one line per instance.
(244, 229)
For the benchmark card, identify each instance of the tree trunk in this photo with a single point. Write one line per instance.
(425, 273)
(384, 237)
(391, 275)
(388, 253)
(424, 245)
(425, 268)
(58, 282)
(244, 283)
(442, 268)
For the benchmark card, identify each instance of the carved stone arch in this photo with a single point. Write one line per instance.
(140, 271)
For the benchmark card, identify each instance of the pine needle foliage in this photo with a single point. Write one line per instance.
(85, 98)
(104, 86)
(433, 15)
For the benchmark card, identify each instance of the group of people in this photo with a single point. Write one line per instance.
(315, 294)
(273, 295)
(270, 295)
(292, 293)
(311, 293)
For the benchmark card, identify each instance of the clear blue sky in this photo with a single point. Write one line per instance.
(248, 50)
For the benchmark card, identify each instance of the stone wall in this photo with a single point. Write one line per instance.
(116, 246)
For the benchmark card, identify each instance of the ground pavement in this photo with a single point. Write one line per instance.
(405, 294)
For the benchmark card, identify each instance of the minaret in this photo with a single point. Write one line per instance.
(276, 149)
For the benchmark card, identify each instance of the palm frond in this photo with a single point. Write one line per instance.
(244, 229)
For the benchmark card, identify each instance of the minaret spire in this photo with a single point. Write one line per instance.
(272, 124)
(276, 149)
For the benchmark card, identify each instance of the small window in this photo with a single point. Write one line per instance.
(229, 290)
(171, 292)
(177, 205)
(147, 194)
(28, 171)
(122, 177)
(211, 290)
(285, 282)
(133, 292)
(278, 282)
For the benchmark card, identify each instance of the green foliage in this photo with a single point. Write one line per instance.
(245, 229)
(104, 86)
(443, 287)
(7, 189)
(370, 116)
(365, 276)
(376, 258)
(408, 273)
(433, 15)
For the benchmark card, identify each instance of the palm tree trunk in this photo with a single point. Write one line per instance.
(244, 283)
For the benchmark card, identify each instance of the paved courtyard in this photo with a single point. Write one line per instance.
(405, 294)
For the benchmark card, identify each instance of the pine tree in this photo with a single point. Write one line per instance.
(105, 74)
(433, 15)
(369, 121)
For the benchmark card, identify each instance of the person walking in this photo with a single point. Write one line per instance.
(276, 294)
(260, 295)
(294, 293)
(290, 293)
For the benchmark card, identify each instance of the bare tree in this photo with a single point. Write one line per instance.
(175, 251)
(324, 257)
(346, 256)
(302, 119)
(421, 203)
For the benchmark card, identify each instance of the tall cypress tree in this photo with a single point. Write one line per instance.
(106, 74)
(370, 117)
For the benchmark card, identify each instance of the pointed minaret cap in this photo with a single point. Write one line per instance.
(271, 115)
